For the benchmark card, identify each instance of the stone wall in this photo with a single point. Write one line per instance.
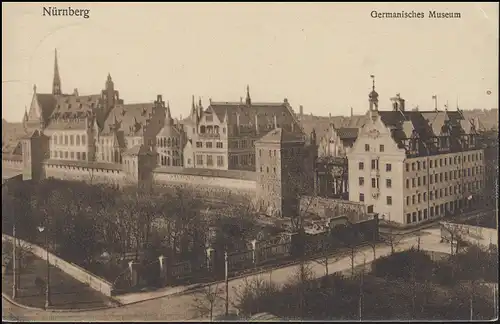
(84, 172)
(328, 207)
(482, 236)
(71, 269)
(14, 162)
(236, 181)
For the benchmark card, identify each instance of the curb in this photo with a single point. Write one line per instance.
(55, 310)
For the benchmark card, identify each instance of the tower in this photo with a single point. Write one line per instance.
(248, 100)
(373, 100)
(35, 150)
(109, 93)
(56, 83)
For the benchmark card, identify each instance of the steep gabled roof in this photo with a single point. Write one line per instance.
(347, 133)
(280, 135)
(130, 118)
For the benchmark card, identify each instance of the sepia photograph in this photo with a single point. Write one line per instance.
(250, 162)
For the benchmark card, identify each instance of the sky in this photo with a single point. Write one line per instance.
(319, 55)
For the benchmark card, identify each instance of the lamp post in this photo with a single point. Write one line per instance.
(226, 266)
(47, 281)
(14, 262)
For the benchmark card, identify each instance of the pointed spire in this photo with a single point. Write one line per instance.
(34, 88)
(248, 100)
(225, 116)
(56, 84)
(199, 102)
(168, 115)
(25, 113)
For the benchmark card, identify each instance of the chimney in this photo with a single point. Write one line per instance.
(257, 123)
(275, 120)
(75, 92)
(301, 110)
(352, 113)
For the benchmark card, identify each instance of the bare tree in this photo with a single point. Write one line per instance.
(251, 296)
(392, 239)
(206, 300)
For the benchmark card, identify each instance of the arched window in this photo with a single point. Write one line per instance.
(169, 142)
(216, 129)
(202, 129)
(77, 139)
(84, 137)
(168, 160)
(210, 129)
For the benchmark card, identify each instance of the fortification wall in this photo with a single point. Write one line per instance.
(85, 173)
(240, 182)
(12, 162)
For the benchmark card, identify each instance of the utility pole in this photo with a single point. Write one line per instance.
(227, 282)
(14, 261)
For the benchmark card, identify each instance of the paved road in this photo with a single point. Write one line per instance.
(180, 307)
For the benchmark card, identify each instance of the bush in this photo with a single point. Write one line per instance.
(402, 265)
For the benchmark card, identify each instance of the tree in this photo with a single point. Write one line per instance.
(392, 239)
(255, 296)
(206, 300)
(300, 282)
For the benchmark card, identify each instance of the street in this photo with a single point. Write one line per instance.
(180, 307)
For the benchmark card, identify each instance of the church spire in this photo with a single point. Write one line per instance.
(168, 115)
(56, 84)
(248, 100)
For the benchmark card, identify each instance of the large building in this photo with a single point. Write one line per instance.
(77, 136)
(411, 166)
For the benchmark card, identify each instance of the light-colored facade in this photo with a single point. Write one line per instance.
(412, 166)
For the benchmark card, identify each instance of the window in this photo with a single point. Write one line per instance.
(56, 154)
(418, 198)
(361, 197)
(78, 154)
(389, 200)
(449, 161)
(436, 178)
(446, 176)
(374, 164)
(219, 145)
(374, 183)
(440, 162)
(199, 159)
(418, 165)
(220, 161)
(84, 156)
(388, 167)
(413, 182)
(431, 179)
(425, 196)
(381, 147)
(430, 164)
(407, 183)
(445, 159)
(414, 216)
(77, 139)
(413, 166)
(408, 218)
(199, 144)
(407, 167)
(431, 195)
(270, 153)
(423, 165)
(445, 192)
(210, 161)
(367, 147)
(361, 181)
(267, 168)
(418, 182)
(72, 155)
(208, 145)
(65, 139)
(431, 210)
(71, 139)
(361, 165)
(388, 183)
(441, 177)
(407, 200)
(413, 201)
(424, 180)
(419, 215)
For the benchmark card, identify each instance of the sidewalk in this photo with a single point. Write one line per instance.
(66, 292)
